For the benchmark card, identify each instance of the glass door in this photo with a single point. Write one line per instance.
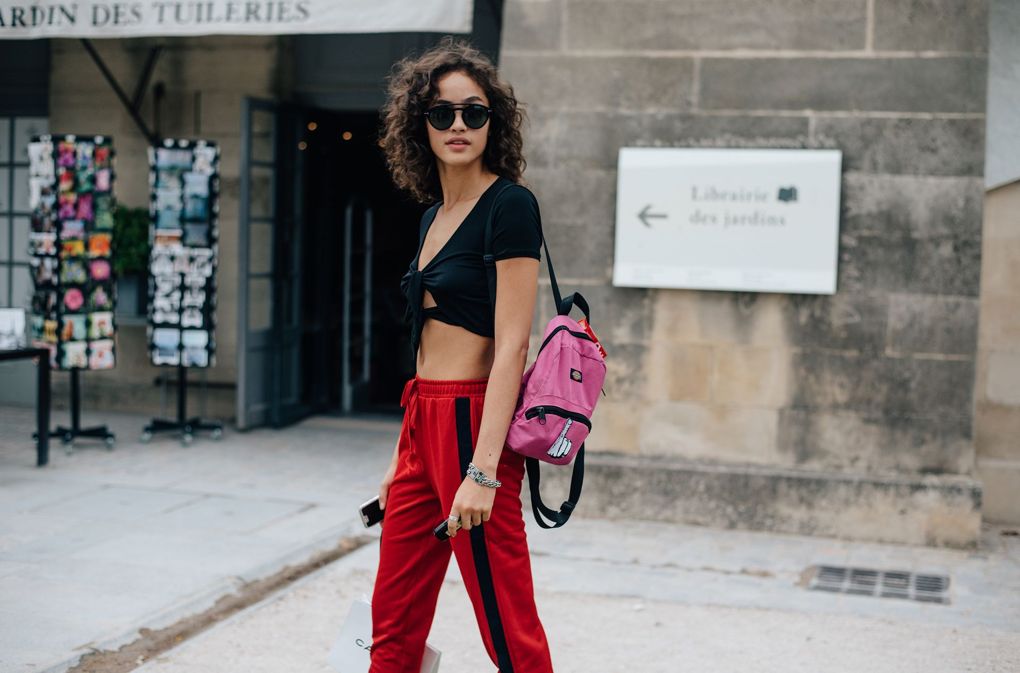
(269, 301)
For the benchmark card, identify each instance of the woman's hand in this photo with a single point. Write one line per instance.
(473, 502)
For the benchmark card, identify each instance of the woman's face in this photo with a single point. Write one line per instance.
(459, 145)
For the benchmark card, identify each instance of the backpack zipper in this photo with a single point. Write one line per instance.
(540, 411)
(579, 335)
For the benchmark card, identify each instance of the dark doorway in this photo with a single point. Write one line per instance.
(358, 236)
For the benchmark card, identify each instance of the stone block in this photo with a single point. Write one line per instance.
(693, 316)
(950, 84)
(906, 146)
(577, 251)
(220, 112)
(948, 265)
(1000, 266)
(1003, 385)
(911, 206)
(882, 386)
(532, 24)
(540, 133)
(675, 316)
(935, 510)
(72, 70)
(996, 430)
(714, 433)
(248, 68)
(572, 82)
(1001, 206)
(626, 369)
(844, 321)
(593, 139)
(751, 377)
(848, 441)
(574, 196)
(1000, 481)
(931, 25)
(1000, 320)
(680, 372)
(932, 324)
(723, 24)
(615, 427)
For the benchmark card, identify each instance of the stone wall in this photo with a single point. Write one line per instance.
(875, 382)
(206, 79)
(997, 393)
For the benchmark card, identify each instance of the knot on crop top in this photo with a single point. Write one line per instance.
(456, 276)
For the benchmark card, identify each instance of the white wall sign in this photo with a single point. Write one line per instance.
(110, 18)
(764, 220)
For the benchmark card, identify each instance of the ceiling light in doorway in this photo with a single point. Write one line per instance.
(347, 135)
(312, 126)
(302, 145)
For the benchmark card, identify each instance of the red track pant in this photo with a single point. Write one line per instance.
(437, 441)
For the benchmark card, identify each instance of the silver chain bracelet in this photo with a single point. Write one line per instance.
(481, 478)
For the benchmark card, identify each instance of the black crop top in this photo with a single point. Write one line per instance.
(456, 276)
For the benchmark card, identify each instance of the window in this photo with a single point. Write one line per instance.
(15, 277)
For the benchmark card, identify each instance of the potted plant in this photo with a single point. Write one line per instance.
(131, 258)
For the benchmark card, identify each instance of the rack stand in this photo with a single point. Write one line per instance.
(68, 435)
(186, 426)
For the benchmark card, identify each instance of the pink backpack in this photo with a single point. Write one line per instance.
(558, 393)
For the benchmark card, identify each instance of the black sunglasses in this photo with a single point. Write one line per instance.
(475, 115)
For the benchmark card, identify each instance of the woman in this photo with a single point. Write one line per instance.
(451, 135)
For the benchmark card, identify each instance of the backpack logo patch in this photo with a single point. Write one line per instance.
(575, 374)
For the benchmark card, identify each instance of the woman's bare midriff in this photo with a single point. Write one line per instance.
(451, 352)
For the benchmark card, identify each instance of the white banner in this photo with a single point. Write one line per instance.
(27, 19)
(764, 220)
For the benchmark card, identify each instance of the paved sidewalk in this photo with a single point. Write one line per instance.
(100, 544)
(661, 598)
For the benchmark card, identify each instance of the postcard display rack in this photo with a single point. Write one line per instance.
(71, 201)
(183, 209)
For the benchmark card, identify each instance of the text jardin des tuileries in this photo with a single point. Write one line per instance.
(756, 216)
(125, 14)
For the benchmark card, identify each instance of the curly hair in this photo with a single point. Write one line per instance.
(412, 86)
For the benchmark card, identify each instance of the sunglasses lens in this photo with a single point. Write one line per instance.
(475, 116)
(441, 117)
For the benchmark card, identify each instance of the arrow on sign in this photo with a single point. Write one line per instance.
(644, 215)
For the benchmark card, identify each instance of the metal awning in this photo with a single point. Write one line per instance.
(21, 19)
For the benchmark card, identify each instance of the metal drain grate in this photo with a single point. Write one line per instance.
(887, 583)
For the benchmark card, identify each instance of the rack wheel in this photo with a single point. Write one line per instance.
(67, 438)
(187, 439)
(111, 441)
(217, 433)
(146, 437)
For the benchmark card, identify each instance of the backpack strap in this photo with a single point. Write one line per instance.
(566, 509)
(563, 306)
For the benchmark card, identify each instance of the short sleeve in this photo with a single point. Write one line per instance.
(516, 228)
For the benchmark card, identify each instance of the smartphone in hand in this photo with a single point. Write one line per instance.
(370, 512)
(442, 531)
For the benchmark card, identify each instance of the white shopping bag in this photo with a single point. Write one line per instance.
(350, 653)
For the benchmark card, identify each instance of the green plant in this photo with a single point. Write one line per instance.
(130, 240)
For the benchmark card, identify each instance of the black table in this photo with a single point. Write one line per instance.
(42, 399)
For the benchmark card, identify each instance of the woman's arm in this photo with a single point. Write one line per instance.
(516, 289)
